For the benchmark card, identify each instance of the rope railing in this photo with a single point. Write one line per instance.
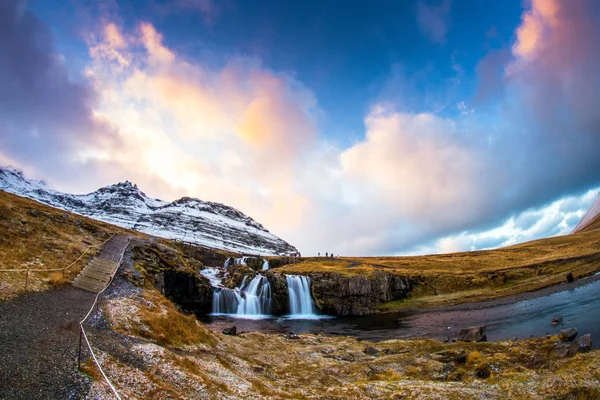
(28, 270)
(83, 335)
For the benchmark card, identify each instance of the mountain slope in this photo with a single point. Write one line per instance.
(591, 214)
(192, 220)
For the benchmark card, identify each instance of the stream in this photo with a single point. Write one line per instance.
(579, 307)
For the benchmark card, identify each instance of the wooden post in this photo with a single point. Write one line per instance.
(79, 350)
(26, 278)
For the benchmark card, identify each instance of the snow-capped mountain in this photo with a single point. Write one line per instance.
(589, 216)
(200, 222)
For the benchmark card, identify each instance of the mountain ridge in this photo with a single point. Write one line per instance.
(199, 222)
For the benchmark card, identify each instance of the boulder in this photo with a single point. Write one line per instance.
(583, 344)
(473, 334)
(570, 278)
(566, 335)
(230, 331)
(370, 350)
(556, 321)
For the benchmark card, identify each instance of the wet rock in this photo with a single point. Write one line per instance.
(279, 293)
(583, 344)
(230, 331)
(370, 350)
(566, 335)
(445, 339)
(473, 334)
(570, 278)
(556, 321)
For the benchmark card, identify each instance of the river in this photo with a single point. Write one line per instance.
(579, 307)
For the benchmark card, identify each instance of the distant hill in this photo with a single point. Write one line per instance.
(203, 223)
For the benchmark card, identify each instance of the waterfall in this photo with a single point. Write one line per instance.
(301, 302)
(250, 298)
(256, 298)
(265, 265)
(225, 301)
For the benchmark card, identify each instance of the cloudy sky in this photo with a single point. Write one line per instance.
(354, 127)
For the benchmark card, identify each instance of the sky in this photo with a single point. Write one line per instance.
(352, 127)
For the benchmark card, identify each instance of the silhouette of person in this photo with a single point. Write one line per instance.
(319, 254)
(326, 254)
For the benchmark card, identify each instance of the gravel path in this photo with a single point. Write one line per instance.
(39, 337)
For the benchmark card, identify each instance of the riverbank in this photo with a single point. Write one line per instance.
(194, 363)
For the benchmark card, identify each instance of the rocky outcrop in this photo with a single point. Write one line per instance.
(335, 294)
(279, 293)
(208, 257)
(236, 274)
(189, 290)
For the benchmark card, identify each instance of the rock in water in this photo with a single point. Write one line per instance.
(570, 278)
(230, 331)
(566, 335)
(583, 344)
(473, 334)
(370, 350)
(556, 321)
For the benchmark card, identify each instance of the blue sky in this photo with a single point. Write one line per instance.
(382, 127)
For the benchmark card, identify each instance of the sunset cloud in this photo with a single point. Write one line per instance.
(231, 129)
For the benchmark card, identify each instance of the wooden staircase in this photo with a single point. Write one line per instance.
(96, 275)
(98, 271)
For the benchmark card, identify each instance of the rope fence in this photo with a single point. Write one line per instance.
(83, 335)
(28, 270)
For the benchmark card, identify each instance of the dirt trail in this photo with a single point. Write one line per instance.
(39, 336)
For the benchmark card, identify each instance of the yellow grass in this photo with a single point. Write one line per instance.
(36, 236)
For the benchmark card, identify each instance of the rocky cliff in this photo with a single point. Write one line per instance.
(357, 295)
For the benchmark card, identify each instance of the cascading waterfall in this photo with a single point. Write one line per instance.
(251, 299)
(256, 298)
(301, 302)
(225, 301)
(265, 265)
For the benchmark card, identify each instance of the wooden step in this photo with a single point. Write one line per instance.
(92, 281)
(107, 266)
(88, 287)
(96, 274)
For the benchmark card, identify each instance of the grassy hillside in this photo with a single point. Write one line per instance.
(476, 275)
(36, 236)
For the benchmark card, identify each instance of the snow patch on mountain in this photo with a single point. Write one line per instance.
(192, 220)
